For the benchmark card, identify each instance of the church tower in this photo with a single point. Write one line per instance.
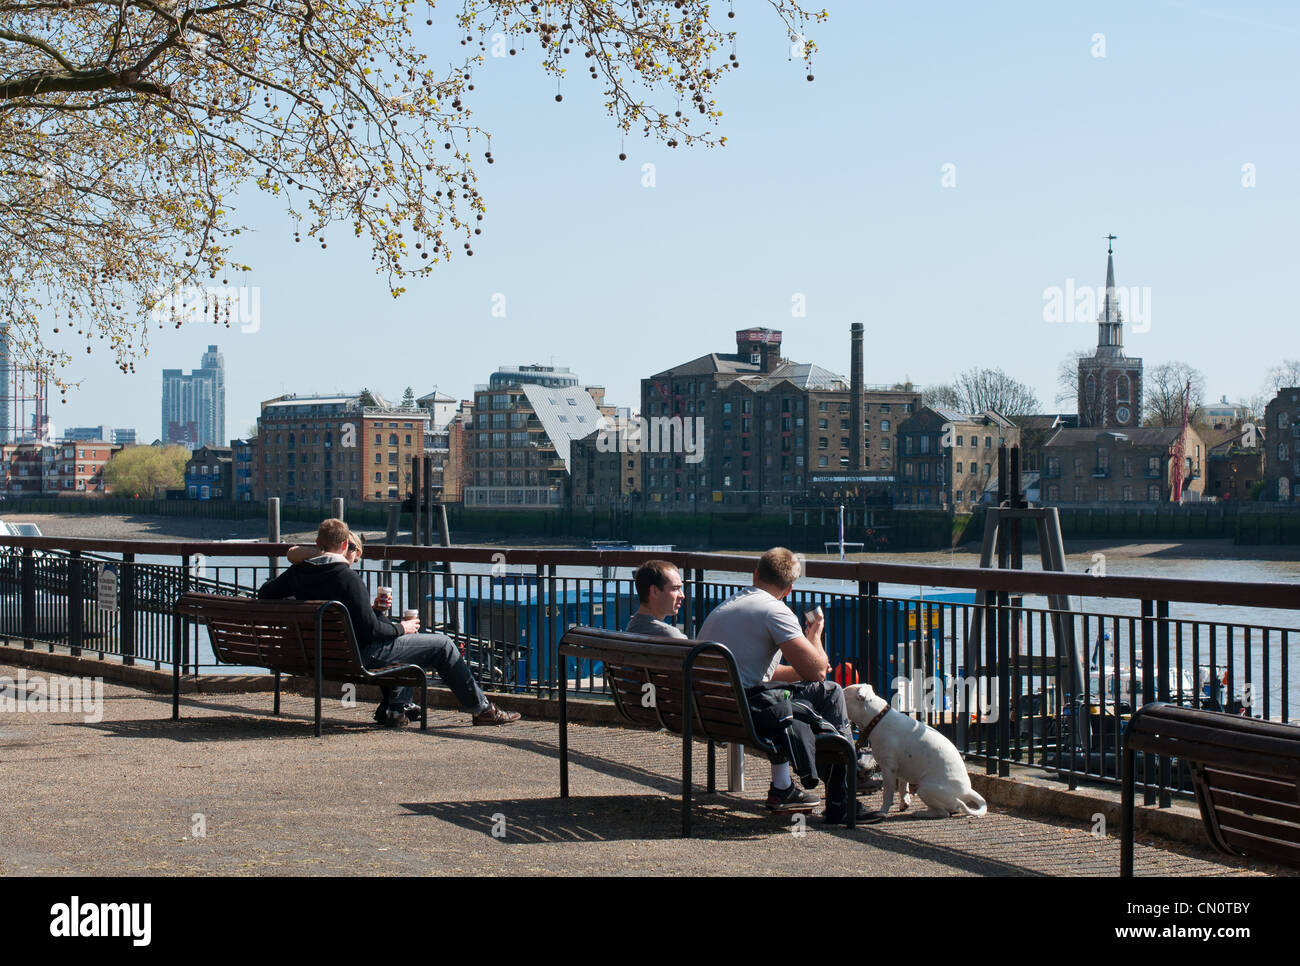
(1110, 383)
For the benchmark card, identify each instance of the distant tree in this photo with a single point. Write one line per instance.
(408, 398)
(1067, 376)
(367, 398)
(976, 390)
(139, 471)
(1281, 376)
(940, 396)
(1163, 388)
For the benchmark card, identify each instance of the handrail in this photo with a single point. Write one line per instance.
(1246, 594)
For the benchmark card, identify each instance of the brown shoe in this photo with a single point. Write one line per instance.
(492, 715)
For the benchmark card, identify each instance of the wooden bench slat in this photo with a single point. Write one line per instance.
(1251, 805)
(1246, 833)
(1213, 736)
(1246, 775)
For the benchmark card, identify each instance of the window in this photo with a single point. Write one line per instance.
(988, 469)
(957, 471)
(988, 442)
(884, 424)
(823, 424)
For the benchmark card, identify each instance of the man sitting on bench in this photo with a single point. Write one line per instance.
(759, 629)
(329, 576)
(659, 588)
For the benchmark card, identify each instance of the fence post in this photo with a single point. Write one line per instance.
(76, 601)
(27, 590)
(273, 531)
(1162, 692)
(126, 608)
(870, 612)
(1148, 690)
(1004, 684)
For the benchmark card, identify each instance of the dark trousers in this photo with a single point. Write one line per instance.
(826, 700)
(433, 652)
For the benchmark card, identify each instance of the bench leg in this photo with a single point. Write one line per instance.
(712, 768)
(564, 736)
(319, 674)
(686, 779)
(277, 692)
(176, 687)
(1126, 818)
(424, 702)
(851, 789)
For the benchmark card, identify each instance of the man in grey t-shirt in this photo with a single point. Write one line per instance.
(759, 629)
(659, 589)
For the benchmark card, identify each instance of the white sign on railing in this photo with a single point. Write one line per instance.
(106, 588)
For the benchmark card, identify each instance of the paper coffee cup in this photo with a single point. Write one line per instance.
(410, 614)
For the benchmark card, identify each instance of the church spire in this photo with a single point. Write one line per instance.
(1110, 323)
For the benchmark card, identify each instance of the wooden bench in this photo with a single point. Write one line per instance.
(312, 638)
(689, 688)
(1246, 774)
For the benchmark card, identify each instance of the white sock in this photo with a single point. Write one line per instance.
(781, 776)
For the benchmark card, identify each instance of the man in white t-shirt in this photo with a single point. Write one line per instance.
(759, 630)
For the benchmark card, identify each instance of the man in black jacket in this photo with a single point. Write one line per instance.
(329, 576)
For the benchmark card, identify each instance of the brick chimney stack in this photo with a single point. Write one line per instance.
(855, 395)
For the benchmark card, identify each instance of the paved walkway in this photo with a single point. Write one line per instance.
(127, 795)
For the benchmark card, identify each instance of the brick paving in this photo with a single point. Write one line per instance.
(124, 797)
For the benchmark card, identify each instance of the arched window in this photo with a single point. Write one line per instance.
(1092, 389)
(1283, 454)
(1123, 388)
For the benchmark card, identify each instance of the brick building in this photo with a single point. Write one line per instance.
(210, 474)
(1282, 452)
(313, 449)
(42, 468)
(604, 473)
(954, 476)
(1110, 466)
(519, 451)
(770, 428)
(1234, 461)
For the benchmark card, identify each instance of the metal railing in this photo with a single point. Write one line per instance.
(978, 653)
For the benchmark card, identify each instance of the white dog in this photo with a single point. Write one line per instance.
(910, 751)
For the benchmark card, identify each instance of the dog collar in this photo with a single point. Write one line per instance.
(874, 721)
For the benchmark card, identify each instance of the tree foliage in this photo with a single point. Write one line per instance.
(1281, 376)
(1163, 389)
(126, 126)
(976, 390)
(140, 471)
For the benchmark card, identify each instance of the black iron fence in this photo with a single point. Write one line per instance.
(979, 654)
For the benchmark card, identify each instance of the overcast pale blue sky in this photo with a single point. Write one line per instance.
(833, 191)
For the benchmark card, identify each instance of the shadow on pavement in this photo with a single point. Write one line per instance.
(603, 818)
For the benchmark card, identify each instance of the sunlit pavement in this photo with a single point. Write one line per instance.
(232, 790)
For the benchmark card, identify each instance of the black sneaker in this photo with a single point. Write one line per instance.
(834, 814)
(790, 800)
(413, 713)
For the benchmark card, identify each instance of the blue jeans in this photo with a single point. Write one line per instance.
(433, 652)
